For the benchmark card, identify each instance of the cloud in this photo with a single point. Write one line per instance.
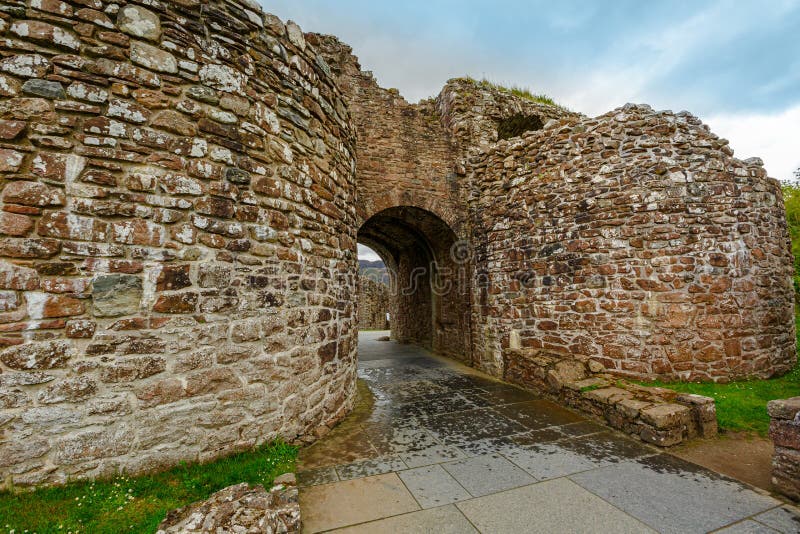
(366, 253)
(732, 62)
(775, 138)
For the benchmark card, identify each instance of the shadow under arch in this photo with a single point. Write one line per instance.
(429, 273)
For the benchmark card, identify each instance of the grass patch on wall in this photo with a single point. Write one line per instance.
(138, 504)
(516, 90)
(742, 405)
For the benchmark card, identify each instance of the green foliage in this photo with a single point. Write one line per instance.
(516, 90)
(791, 198)
(138, 504)
(742, 405)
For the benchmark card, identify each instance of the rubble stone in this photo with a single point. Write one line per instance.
(139, 22)
(43, 88)
(240, 508)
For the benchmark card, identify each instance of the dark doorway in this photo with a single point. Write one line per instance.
(429, 279)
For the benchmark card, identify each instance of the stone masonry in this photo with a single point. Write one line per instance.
(637, 241)
(183, 186)
(784, 429)
(178, 243)
(374, 302)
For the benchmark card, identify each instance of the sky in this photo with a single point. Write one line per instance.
(733, 63)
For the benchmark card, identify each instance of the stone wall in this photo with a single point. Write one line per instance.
(178, 236)
(408, 158)
(405, 154)
(182, 192)
(784, 429)
(374, 302)
(655, 415)
(634, 240)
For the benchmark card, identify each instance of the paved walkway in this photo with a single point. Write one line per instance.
(436, 447)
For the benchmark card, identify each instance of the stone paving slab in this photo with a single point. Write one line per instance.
(366, 468)
(785, 519)
(547, 508)
(476, 453)
(537, 414)
(499, 395)
(674, 496)
(340, 504)
(442, 520)
(748, 527)
(315, 477)
(434, 454)
(433, 486)
(399, 440)
(548, 460)
(486, 474)
(471, 425)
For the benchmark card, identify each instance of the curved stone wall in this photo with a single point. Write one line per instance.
(178, 236)
(636, 240)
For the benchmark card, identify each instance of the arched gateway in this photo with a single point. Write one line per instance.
(184, 185)
(429, 277)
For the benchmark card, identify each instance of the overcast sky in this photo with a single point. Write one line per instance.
(734, 63)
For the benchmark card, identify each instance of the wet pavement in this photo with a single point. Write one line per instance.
(433, 446)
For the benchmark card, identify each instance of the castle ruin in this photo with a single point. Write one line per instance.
(184, 184)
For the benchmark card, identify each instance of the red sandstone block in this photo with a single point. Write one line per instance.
(172, 277)
(176, 303)
(80, 329)
(213, 241)
(49, 306)
(10, 160)
(14, 224)
(138, 232)
(73, 227)
(10, 129)
(53, 324)
(66, 285)
(52, 166)
(29, 248)
(785, 433)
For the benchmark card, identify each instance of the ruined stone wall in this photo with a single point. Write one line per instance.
(178, 236)
(473, 112)
(405, 153)
(373, 304)
(784, 429)
(407, 157)
(182, 192)
(634, 240)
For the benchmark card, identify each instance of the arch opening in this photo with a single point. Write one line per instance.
(428, 272)
(373, 305)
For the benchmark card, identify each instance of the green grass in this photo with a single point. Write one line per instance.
(516, 90)
(742, 406)
(137, 504)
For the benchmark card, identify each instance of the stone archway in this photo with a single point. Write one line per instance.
(430, 278)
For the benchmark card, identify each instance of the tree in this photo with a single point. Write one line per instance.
(791, 199)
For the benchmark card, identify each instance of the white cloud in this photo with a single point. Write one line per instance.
(625, 68)
(775, 138)
(366, 253)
